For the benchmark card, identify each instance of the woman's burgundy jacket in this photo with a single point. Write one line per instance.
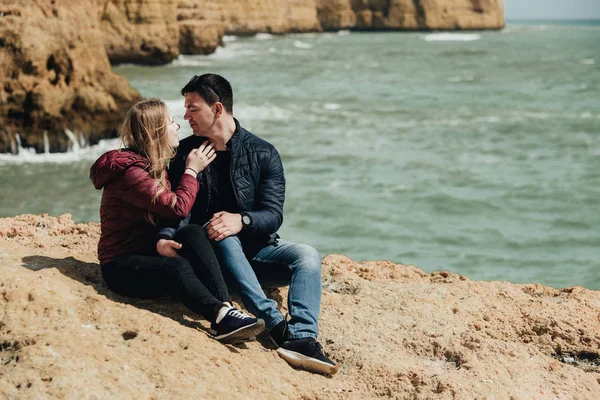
(126, 200)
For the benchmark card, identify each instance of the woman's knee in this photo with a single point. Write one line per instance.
(180, 267)
(191, 234)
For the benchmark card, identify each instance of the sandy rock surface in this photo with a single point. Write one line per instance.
(396, 331)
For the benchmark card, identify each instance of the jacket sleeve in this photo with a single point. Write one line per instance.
(138, 189)
(177, 167)
(267, 215)
(176, 172)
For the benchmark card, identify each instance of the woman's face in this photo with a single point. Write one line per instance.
(172, 129)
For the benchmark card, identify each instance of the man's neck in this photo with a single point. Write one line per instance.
(224, 132)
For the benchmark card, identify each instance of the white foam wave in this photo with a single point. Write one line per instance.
(587, 61)
(191, 61)
(332, 106)
(177, 108)
(343, 32)
(91, 153)
(263, 36)
(264, 112)
(229, 38)
(452, 37)
(302, 45)
(468, 78)
(235, 50)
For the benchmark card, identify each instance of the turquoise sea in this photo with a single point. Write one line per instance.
(477, 152)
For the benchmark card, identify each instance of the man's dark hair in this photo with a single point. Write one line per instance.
(212, 88)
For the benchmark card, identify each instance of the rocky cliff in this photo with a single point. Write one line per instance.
(55, 54)
(149, 30)
(396, 332)
(56, 75)
(410, 14)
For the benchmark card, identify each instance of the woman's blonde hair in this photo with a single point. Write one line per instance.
(144, 131)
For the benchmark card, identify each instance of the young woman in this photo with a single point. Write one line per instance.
(136, 195)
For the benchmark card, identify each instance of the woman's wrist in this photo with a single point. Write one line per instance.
(190, 171)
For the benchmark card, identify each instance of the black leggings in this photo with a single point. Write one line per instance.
(195, 278)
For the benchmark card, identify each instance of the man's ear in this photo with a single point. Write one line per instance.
(218, 109)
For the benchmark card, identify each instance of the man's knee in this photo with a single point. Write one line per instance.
(308, 258)
(230, 243)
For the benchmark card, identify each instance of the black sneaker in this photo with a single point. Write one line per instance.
(307, 354)
(279, 333)
(236, 326)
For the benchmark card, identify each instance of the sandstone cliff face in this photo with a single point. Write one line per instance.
(148, 33)
(410, 14)
(55, 74)
(396, 332)
(203, 23)
(141, 32)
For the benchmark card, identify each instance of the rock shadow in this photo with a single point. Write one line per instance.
(89, 274)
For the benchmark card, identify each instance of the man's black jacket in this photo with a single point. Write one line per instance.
(258, 184)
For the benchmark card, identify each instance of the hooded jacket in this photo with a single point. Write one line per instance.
(128, 198)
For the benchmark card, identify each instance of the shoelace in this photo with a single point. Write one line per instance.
(238, 314)
(318, 347)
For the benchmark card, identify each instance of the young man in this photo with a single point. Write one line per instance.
(240, 203)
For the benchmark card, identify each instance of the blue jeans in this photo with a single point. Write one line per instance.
(280, 264)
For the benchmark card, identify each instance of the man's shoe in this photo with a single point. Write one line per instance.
(279, 333)
(307, 354)
(236, 326)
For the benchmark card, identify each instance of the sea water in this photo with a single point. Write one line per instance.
(475, 152)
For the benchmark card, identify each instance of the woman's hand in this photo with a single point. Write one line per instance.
(199, 158)
(167, 248)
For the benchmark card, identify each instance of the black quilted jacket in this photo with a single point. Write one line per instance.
(258, 183)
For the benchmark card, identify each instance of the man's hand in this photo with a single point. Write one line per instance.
(168, 248)
(223, 224)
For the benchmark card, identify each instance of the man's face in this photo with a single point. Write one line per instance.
(200, 115)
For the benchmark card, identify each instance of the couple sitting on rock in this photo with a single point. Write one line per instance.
(215, 214)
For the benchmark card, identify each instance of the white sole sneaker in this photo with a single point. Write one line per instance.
(301, 361)
(242, 334)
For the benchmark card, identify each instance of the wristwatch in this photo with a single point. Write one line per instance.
(246, 222)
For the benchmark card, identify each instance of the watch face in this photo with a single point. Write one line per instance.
(246, 220)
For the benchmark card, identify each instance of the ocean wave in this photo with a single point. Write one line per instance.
(452, 37)
(233, 51)
(177, 108)
(190, 61)
(302, 45)
(229, 38)
(264, 112)
(263, 36)
(455, 79)
(90, 153)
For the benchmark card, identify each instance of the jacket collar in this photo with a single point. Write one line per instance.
(234, 143)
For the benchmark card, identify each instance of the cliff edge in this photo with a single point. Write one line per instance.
(396, 331)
